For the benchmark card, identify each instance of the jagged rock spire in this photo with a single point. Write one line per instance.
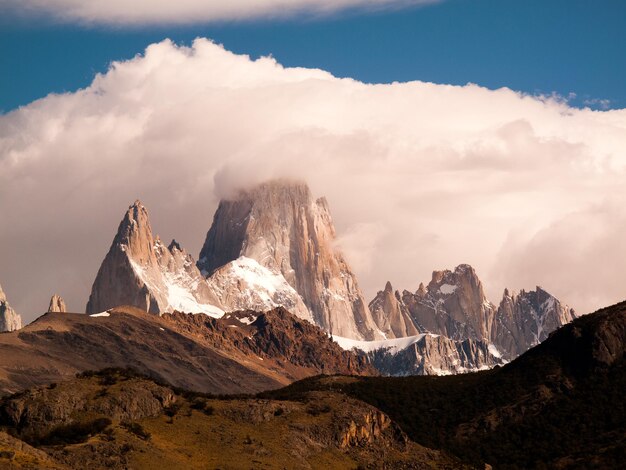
(524, 320)
(140, 271)
(57, 304)
(454, 305)
(10, 320)
(281, 226)
(391, 315)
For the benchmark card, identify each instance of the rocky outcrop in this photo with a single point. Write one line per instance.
(38, 411)
(454, 305)
(391, 314)
(57, 304)
(10, 320)
(436, 355)
(139, 270)
(277, 334)
(368, 428)
(526, 319)
(284, 229)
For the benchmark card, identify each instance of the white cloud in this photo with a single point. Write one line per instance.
(127, 12)
(419, 176)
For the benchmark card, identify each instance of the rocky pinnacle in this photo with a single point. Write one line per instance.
(57, 304)
(281, 226)
(10, 320)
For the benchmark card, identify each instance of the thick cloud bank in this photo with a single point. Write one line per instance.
(419, 176)
(188, 11)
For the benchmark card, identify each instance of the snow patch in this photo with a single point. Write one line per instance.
(393, 346)
(447, 289)
(101, 314)
(181, 299)
(258, 277)
(494, 351)
(249, 320)
(177, 288)
(245, 284)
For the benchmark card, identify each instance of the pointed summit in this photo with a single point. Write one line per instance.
(524, 320)
(135, 233)
(280, 225)
(391, 315)
(174, 245)
(57, 304)
(10, 320)
(138, 270)
(454, 305)
(421, 290)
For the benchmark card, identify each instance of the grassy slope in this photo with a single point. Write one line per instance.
(199, 431)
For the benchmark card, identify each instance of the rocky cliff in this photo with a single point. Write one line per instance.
(453, 304)
(10, 320)
(391, 314)
(436, 355)
(526, 319)
(285, 230)
(425, 354)
(140, 271)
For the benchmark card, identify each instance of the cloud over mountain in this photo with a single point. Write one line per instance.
(188, 11)
(418, 175)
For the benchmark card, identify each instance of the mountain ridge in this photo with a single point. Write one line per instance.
(196, 352)
(281, 226)
(454, 304)
(559, 405)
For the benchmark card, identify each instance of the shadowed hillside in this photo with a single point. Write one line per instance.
(118, 419)
(560, 405)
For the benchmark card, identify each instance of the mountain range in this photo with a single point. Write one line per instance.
(275, 245)
(266, 347)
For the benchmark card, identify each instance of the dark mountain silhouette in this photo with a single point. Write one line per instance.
(560, 405)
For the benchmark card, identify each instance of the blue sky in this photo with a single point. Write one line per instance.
(536, 46)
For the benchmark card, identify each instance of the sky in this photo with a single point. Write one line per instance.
(462, 131)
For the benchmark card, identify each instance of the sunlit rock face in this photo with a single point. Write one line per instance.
(391, 314)
(525, 319)
(10, 320)
(454, 305)
(139, 270)
(284, 229)
(57, 304)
